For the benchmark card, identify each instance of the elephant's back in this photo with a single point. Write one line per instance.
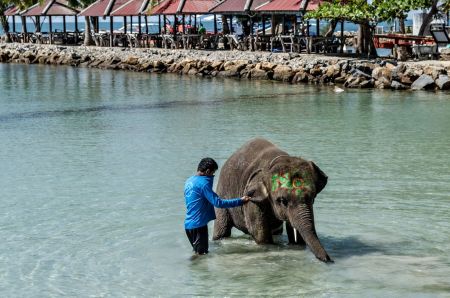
(253, 155)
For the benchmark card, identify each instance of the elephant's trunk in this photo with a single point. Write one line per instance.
(302, 219)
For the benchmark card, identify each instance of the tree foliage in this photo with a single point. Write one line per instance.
(361, 11)
(367, 15)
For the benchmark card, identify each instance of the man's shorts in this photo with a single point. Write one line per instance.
(199, 239)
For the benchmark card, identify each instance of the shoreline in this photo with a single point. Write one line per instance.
(287, 67)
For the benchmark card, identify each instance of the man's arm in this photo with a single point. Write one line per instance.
(218, 202)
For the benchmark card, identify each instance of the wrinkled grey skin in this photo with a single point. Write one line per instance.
(250, 171)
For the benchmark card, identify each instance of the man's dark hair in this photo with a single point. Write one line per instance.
(207, 163)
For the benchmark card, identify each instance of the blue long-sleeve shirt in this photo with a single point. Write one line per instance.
(201, 200)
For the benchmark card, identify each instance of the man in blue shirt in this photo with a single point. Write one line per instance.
(200, 202)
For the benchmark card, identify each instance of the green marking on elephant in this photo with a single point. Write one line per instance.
(283, 181)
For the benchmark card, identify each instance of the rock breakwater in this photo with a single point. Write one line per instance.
(286, 67)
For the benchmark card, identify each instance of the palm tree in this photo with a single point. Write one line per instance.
(4, 4)
(87, 30)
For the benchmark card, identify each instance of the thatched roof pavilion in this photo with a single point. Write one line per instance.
(51, 8)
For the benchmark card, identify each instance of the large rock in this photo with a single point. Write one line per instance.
(379, 72)
(360, 74)
(234, 66)
(443, 82)
(333, 71)
(382, 83)
(434, 71)
(424, 82)
(227, 73)
(283, 73)
(395, 85)
(353, 82)
(131, 60)
(259, 74)
(267, 66)
(410, 75)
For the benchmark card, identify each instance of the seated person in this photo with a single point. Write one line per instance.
(201, 29)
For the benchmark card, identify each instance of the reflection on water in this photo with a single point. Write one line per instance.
(93, 166)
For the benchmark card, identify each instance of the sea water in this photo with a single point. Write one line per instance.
(93, 164)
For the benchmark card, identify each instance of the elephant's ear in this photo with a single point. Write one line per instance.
(320, 177)
(255, 188)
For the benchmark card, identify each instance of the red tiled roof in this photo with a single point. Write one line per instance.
(96, 9)
(256, 3)
(285, 6)
(51, 8)
(198, 6)
(12, 11)
(237, 6)
(165, 7)
(230, 6)
(102, 8)
(314, 4)
(131, 8)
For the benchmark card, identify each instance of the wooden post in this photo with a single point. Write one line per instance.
(231, 24)
(215, 24)
(263, 24)
(195, 21)
(64, 28)
(139, 23)
(38, 24)
(165, 24)
(272, 21)
(184, 24)
(146, 24)
(111, 31)
(97, 24)
(295, 24)
(342, 36)
(50, 29)
(175, 24)
(159, 24)
(124, 24)
(76, 29)
(307, 28)
(317, 27)
(14, 23)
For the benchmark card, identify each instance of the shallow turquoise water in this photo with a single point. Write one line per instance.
(93, 164)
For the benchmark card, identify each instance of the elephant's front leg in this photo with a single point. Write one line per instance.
(294, 235)
(258, 223)
(222, 224)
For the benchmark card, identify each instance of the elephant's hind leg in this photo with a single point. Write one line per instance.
(222, 224)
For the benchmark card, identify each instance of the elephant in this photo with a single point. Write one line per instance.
(282, 189)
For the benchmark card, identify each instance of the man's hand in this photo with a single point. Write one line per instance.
(245, 199)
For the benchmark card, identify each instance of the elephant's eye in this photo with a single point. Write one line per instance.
(282, 200)
(309, 199)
